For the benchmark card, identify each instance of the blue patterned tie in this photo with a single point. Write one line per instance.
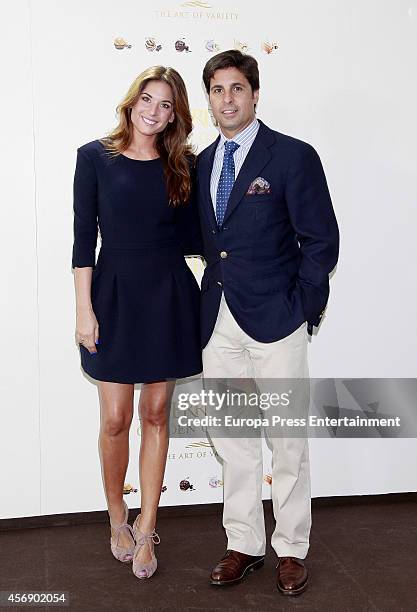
(226, 181)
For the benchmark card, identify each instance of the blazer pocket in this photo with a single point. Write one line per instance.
(276, 289)
(258, 199)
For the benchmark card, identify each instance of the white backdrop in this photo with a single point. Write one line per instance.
(342, 78)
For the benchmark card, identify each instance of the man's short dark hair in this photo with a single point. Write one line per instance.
(246, 64)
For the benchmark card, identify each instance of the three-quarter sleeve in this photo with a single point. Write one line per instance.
(85, 213)
(188, 223)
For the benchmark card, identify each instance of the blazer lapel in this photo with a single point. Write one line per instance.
(257, 158)
(206, 165)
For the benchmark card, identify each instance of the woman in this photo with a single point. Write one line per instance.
(138, 308)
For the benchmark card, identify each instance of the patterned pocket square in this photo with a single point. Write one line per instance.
(259, 186)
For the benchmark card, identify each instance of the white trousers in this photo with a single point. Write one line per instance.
(231, 353)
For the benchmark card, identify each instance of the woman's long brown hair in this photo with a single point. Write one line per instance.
(172, 144)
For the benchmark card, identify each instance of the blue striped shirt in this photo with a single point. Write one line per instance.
(245, 139)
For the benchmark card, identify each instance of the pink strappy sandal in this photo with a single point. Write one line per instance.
(122, 553)
(144, 570)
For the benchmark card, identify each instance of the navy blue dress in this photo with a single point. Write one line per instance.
(145, 297)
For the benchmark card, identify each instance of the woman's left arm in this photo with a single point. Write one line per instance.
(188, 223)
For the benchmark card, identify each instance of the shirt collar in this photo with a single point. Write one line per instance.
(243, 137)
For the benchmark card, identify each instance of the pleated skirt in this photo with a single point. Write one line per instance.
(147, 304)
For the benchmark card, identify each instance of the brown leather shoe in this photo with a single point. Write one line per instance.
(292, 577)
(233, 567)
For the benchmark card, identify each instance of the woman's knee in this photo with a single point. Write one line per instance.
(116, 407)
(154, 414)
(154, 404)
(116, 422)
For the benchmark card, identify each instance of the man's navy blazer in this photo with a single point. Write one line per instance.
(274, 252)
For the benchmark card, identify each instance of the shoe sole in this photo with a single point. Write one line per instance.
(293, 592)
(251, 568)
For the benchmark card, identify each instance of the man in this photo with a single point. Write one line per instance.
(271, 240)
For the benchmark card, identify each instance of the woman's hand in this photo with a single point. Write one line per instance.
(86, 330)
(86, 327)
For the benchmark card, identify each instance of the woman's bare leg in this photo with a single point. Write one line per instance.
(154, 407)
(116, 412)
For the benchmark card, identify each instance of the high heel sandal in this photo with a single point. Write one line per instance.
(122, 553)
(144, 570)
